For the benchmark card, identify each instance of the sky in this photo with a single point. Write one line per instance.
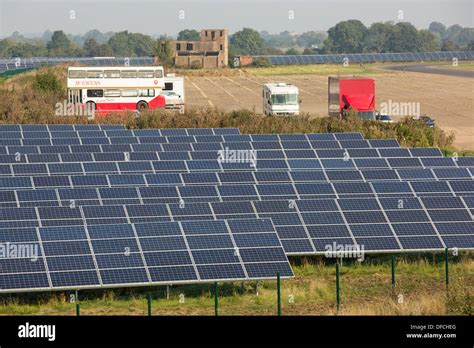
(170, 16)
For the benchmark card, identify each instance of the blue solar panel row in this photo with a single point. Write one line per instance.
(304, 226)
(366, 58)
(145, 254)
(113, 131)
(89, 192)
(68, 128)
(35, 62)
(47, 164)
(29, 63)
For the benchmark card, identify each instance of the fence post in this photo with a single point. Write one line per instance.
(446, 262)
(149, 303)
(278, 295)
(216, 300)
(393, 272)
(338, 289)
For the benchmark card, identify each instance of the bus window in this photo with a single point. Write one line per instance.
(147, 93)
(111, 93)
(129, 93)
(159, 73)
(168, 86)
(77, 74)
(112, 74)
(128, 74)
(95, 93)
(145, 73)
(95, 74)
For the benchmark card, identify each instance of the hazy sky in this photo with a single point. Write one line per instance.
(162, 16)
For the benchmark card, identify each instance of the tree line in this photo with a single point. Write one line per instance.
(350, 36)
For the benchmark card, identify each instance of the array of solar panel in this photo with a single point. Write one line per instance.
(317, 189)
(132, 254)
(366, 58)
(35, 62)
(30, 63)
(323, 169)
(304, 226)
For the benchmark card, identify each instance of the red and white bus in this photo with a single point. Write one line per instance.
(116, 88)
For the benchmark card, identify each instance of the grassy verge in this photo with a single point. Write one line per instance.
(466, 66)
(316, 69)
(365, 290)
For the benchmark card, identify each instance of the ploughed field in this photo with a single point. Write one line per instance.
(448, 99)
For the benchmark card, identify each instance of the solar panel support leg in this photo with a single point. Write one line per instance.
(216, 300)
(338, 290)
(167, 292)
(257, 288)
(149, 303)
(278, 294)
(78, 309)
(393, 272)
(446, 263)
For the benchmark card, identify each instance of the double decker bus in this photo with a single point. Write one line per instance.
(115, 88)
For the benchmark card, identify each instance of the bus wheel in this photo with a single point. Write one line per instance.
(142, 105)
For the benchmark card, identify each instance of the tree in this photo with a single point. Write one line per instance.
(438, 28)
(91, 48)
(188, 35)
(464, 37)
(246, 41)
(47, 82)
(377, 37)
(164, 52)
(120, 44)
(59, 45)
(292, 52)
(448, 46)
(97, 36)
(403, 38)
(125, 44)
(452, 31)
(346, 37)
(429, 41)
(311, 38)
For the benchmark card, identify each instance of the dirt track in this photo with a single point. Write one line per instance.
(448, 99)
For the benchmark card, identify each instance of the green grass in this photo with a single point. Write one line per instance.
(465, 66)
(317, 69)
(365, 289)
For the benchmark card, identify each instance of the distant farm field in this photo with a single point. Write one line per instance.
(448, 99)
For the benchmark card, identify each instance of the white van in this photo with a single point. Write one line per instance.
(280, 99)
(173, 92)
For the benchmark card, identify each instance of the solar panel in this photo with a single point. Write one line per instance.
(160, 253)
(85, 194)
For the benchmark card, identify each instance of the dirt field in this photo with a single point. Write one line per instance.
(448, 99)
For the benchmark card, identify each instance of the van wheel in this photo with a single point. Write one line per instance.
(142, 105)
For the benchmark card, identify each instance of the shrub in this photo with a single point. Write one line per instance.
(47, 82)
(262, 62)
